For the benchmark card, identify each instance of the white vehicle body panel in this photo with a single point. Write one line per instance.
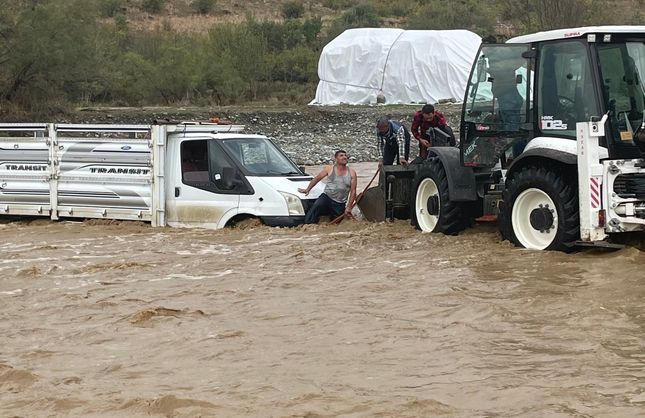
(267, 199)
(607, 205)
(573, 33)
(559, 144)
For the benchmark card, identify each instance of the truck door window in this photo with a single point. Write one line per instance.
(566, 91)
(205, 165)
(194, 162)
(224, 175)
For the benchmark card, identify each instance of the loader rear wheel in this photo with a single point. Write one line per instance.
(540, 209)
(433, 211)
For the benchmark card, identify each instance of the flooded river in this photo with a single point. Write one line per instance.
(356, 320)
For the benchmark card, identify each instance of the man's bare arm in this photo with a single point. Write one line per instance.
(323, 173)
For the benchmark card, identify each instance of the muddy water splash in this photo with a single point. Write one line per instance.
(121, 319)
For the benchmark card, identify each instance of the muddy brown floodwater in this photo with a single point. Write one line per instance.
(120, 319)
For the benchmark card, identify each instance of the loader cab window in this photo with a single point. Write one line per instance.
(497, 104)
(566, 90)
(622, 68)
(206, 166)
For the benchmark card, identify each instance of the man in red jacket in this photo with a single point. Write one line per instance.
(422, 128)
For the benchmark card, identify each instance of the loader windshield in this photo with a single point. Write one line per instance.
(622, 68)
(498, 97)
(260, 157)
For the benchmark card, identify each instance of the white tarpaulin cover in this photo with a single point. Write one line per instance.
(413, 66)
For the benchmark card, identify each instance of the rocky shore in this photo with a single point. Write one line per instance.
(309, 134)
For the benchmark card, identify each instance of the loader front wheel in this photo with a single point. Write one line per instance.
(433, 211)
(540, 209)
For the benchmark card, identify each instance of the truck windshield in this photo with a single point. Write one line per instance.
(622, 66)
(259, 156)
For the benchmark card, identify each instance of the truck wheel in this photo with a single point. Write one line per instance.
(432, 209)
(540, 209)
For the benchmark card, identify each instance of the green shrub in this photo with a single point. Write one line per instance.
(110, 8)
(153, 6)
(311, 30)
(337, 4)
(203, 7)
(235, 62)
(398, 8)
(360, 16)
(470, 14)
(293, 9)
(287, 35)
(296, 65)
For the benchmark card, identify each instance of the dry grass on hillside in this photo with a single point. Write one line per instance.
(181, 16)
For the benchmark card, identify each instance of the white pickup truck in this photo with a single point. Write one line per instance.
(179, 175)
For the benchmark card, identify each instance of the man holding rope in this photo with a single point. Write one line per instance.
(334, 200)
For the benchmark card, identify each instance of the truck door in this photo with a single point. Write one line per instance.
(210, 185)
(497, 104)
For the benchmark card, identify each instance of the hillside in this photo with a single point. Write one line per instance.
(181, 15)
(62, 53)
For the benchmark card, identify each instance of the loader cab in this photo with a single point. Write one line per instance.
(541, 85)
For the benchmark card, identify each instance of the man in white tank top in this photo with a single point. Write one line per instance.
(334, 200)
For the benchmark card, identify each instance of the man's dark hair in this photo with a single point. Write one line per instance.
(427, 108)
(382, 121)
(339, 151)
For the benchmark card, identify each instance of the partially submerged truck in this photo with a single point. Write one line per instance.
(552, 144)
(180, 175)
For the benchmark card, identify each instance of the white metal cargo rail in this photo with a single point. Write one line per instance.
(82, 171)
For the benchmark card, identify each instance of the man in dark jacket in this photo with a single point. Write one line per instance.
(393, 142)
(423, 126)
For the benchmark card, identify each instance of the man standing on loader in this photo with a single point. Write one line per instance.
(393, 142)
(423, 126)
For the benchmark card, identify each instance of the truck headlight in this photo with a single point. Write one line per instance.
(294, 205)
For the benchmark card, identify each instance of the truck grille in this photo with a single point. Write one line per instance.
(630, 185)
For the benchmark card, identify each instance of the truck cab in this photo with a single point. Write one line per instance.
(222, 178)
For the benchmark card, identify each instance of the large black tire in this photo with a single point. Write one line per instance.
(540, 209)
(445, 216)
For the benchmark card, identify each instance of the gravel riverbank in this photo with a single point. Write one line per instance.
(309, 134)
